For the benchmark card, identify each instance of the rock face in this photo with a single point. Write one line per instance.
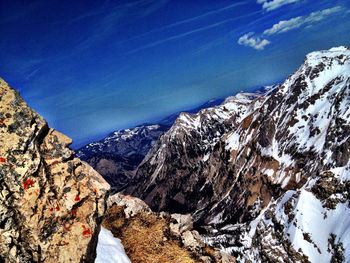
(254, 173)
(50, 202)
(157, 237)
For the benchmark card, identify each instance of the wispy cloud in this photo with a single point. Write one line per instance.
(110, 21)
(108, 24)
(156, 43)
(259, 41)
(188, 33)
(274, 4)
(188, 20)
(285, 25)
(255, 42)
(210, 13)
(296, 22)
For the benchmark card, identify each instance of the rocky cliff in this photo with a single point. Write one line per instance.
(50, 202)
(261, 174)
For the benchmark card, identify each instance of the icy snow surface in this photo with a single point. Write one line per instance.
(110, 249)
(310, 218)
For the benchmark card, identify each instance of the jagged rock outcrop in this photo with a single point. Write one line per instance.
(157, 237)
(235, 173)
(51, 203)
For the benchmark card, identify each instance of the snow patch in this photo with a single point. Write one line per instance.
(110, 249)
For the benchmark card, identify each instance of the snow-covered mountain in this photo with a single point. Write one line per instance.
(117, 156)
(137, 140)
(265, 176)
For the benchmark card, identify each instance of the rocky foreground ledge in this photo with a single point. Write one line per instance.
(51, 204)
(150, 237)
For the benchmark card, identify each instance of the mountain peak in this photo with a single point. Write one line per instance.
(250, 170)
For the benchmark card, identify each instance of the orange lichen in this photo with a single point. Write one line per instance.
(27, 183)
(87, 232)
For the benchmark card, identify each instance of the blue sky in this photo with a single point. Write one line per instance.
(91, 67)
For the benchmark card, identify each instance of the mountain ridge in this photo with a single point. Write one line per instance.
(117, 156)
(285, 143)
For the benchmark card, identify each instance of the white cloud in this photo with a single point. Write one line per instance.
(274, 4)
(296, 22)
(252, 41)
(285, 25)
(322, 14)
(259, 42)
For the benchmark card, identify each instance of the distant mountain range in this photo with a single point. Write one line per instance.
(117, 156)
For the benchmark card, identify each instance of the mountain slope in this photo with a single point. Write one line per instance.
(234, 169)
(117, 156)
(183, 151)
